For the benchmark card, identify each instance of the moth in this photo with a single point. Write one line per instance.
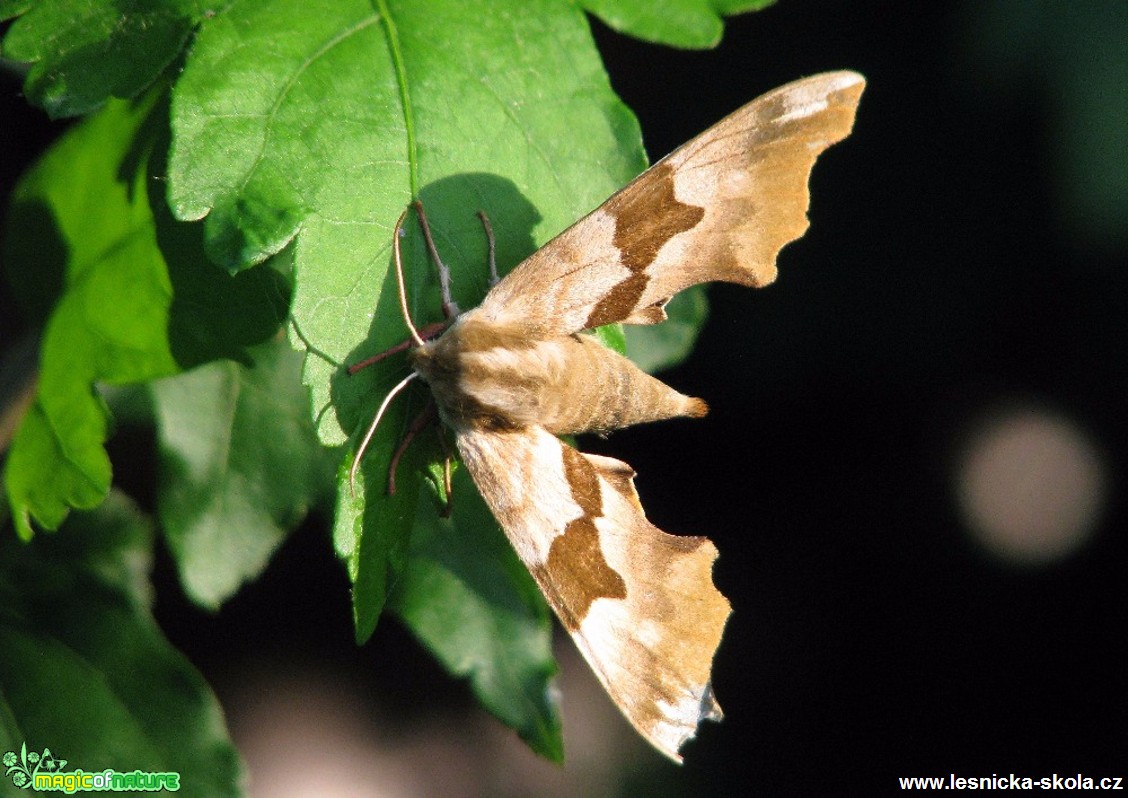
(516, 372)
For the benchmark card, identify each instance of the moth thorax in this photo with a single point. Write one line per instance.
(438, 363)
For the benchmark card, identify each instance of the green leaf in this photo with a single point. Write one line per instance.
(83, 53)
(75, 201)
(690, 24)
(372, 535)
(124, 297)
(730, 8)
(472, 603)
(299, 132)
(84, 670)
(333, 118)
(662, 346)
(239, 467)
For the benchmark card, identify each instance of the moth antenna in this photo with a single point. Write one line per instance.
(450, 310)
(426, 332)
(372, 429)
(493, 247)
(396, 235)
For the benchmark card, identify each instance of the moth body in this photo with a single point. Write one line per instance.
(495, 377)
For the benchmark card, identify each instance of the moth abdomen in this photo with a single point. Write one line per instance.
(488, 376)
(604, 391)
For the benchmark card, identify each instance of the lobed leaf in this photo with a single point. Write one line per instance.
(124, 297)
(333, 119)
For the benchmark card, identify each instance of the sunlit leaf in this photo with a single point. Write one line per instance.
(130, 301)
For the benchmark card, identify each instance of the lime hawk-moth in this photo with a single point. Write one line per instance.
(516, 372)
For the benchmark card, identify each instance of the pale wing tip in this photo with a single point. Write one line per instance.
(671, 736)
(849, 84)
(841, 79)
(710, 709)
(815, 91)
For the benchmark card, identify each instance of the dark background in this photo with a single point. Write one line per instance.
(965, 267)
(956, 271)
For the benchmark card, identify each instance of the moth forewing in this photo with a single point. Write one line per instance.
(718, 208)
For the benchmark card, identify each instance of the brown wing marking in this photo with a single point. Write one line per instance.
(644, 221)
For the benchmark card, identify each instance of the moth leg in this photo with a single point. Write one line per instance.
(493, 247)
(418, 425)
(427, 332)
(450, 310)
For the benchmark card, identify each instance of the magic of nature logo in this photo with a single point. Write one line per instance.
(44, 772)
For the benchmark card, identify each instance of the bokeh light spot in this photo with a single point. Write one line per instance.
(1030, 484)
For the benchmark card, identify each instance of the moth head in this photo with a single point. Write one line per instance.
(436, 361)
